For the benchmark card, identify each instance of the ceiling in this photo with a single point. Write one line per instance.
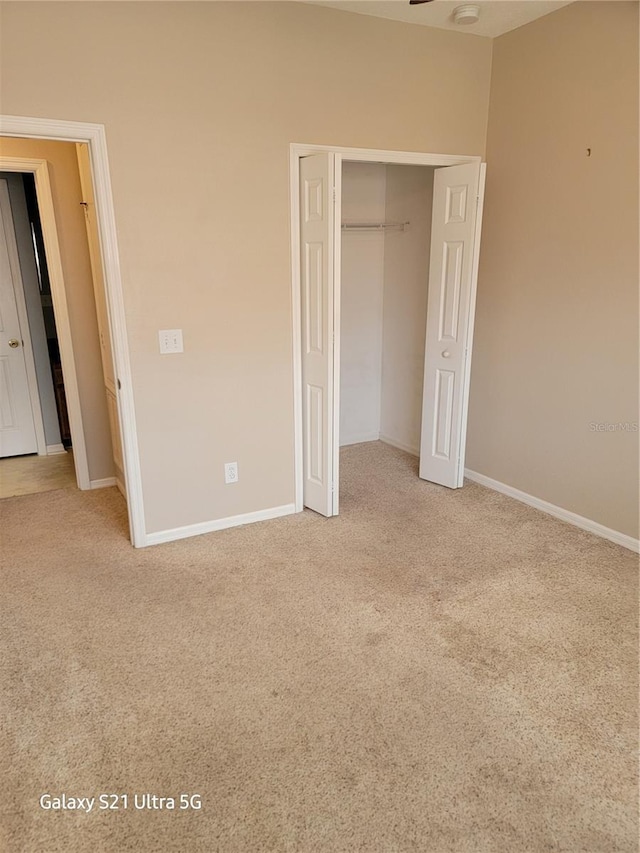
(496, 16)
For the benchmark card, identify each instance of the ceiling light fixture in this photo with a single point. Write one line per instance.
(467, 14)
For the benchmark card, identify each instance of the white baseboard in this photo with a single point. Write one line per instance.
(218, 524)
(556, 511)
(55, 449)
(414, 451)
(358, 438)
(104, 483)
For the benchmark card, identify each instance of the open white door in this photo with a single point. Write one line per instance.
(17, 424)
(455, 240)
(316, 261)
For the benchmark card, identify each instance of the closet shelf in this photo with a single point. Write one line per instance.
(374, 226)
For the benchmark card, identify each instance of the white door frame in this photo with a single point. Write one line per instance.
(94, 135)
(23, 320)
(360, 155)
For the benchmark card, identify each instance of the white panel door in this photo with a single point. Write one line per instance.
(450, 306)
(17, 426)
(317, 284)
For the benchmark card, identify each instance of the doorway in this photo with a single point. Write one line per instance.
(318, 225)
(93, 137)
(35, 440)
(384, 276)
(28, 309)
(68, 307)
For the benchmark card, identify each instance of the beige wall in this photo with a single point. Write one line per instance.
(406, 285)
(200, 103)
(74, 252)
(556, 342)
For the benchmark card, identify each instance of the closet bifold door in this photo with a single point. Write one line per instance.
(317, 320)
(452, 272)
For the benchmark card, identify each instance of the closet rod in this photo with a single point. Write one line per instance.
(373, 226)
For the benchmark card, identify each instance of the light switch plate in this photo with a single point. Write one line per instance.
(170, 340)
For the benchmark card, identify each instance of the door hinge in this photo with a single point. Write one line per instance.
(334, 195)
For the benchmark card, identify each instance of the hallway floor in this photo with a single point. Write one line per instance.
(28, 475)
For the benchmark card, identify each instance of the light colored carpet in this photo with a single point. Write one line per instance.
(27, 475)
(432, 671)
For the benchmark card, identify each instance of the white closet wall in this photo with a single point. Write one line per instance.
(409, 196)
(384, 303)
(363, 200)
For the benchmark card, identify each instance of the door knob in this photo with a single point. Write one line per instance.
(446, 353)
(14, 342)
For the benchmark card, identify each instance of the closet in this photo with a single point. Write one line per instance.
(386, 234)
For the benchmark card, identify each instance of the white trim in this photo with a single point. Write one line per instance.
(358, 438)
(359, 155)
(104, 483)
(218, 524)
(556, 511)
(95, 136)
(336, 299)
(55, 449)
(296, 321)
(23, 318)
(408, 448)
(378, 155)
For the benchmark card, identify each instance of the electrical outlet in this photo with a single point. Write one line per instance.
(170, 340)
(230, 472)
